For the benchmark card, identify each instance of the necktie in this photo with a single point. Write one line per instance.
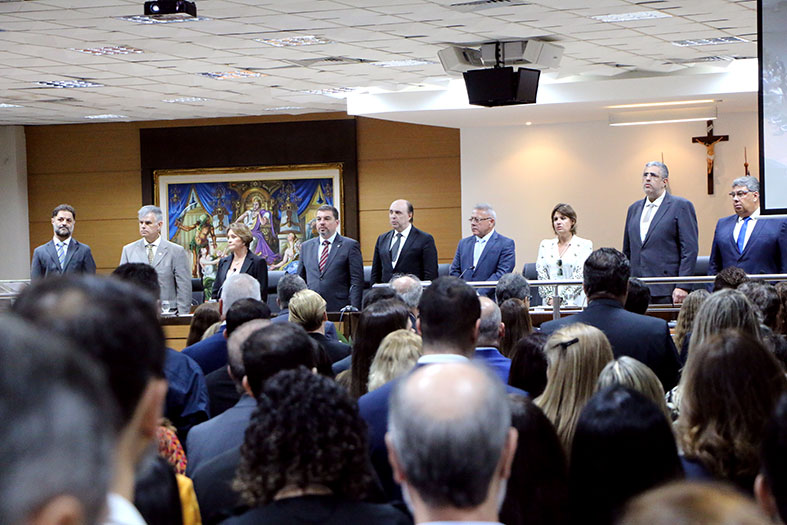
(150, 254)
(324, 255)
(395, 248)
(61, 254)
(742, 235)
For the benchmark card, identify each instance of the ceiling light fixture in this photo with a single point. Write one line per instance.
(231, 75)
(171, 8)
(404, 63)
(105, 116)
(631, 17)
(709, 41)
(339, 92)
(69, 84)
(667, 115)
(108, 50)
(184, 100)
(283, 108)
(661, 104)
(8, 106)
(143, 19)
(294, 41)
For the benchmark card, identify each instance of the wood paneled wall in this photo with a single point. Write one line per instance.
(96, 168)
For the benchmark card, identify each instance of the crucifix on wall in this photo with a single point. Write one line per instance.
(709, 141)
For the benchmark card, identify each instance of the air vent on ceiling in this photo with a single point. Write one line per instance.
(478, 5)
(701, 60)
(327, 61)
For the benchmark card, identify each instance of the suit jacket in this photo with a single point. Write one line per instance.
(78, 259)
(210, 353)
(418, 256)
(213, 487)
(644, 338)
(186, 403)
(670, 246)
(765, 252)
(171, 264)
(222, 393)
(253, 265)
(341, 283)
(498, 258)
(336, 350)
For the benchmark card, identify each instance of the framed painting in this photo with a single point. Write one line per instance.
(278, 204)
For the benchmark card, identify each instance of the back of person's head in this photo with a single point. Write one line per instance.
(282, 450)
(512, 286)
(515, 316)
(765, 299)
(55, 428)
(243, 311)
(638, 297)
(729, 388)
(538, 488)
(771, 486)
(529, 364)
(606, 272)
(448, 426)
(156, 493)
(489, 328)
(235, 349)
(114, 322)
(688, 311)
(448, 313)
(726, 309)
(692, 503)
(276, 347)
(397, 354)
(140, 274)
(307, 308)
(576, 354)
(204, 316)
(288, 285)
(236, 287)
(730, 277)
(629, 372)
(781, 288)
(376, 321)
(408, 288)
(377, 294)
(623, 446)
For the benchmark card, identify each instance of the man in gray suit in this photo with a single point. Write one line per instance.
(63, 254)
(332, 265)
(169, 259)
(660, 237)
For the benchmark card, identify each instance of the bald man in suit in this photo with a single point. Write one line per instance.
(404, 249)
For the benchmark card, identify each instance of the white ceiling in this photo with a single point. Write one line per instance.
(635, 61)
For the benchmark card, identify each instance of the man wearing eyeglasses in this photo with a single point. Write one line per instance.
(660, 236)
(753, 243)
(486, 255)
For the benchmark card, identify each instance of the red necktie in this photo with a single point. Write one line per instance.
(324, 255)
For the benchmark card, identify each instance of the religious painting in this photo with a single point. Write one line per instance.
(278, 204)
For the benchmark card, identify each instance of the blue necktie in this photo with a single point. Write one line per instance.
(61, 254)
(742, 234)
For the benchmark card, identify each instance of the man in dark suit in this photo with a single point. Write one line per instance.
(646, 339)
(405, 249)
(660, 236)
(486, 255)
(63, 254)
(746, 240)
(332, 265)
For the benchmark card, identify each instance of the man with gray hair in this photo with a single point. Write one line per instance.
(485, 255)
(490, 331)
(409, 289)
(512, 286)
(169, 259)
(746, 240)
(660, 236)
(450, 443)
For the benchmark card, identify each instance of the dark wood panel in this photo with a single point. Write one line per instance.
(427, 183)
(105, 195)
(382, 139)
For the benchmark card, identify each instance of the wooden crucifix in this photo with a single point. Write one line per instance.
(709, 141)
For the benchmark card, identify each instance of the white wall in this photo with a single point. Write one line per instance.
(14, 235)
(524, 171)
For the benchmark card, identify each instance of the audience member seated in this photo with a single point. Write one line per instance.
(576, 354)
(294, 474)
(408, 288)
(451, 443)
(730, 387)
(627, 371)
(538, 487)
(512, 286)
(515, 315)
(687, 503)
(623, 446)
(781, 287)
(379, 293)
(211, 353)
(289, 285)
(156, 492)
(688, 311)
(490, 332)
(222, 388)
(397, 355)
(118, 325)
(646, 339)
(529, 364)
(307, 309)
(770, 486)
(766, 301)
(266, 351)
(638, 297)
(730, 277)
(56, 438)
(205, 315)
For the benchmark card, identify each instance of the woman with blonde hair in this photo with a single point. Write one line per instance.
(629, 372)
(688, 312)
(396, 355)
(241, 260)
(576, 354)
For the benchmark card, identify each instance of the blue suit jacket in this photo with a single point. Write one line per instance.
(78, 259)
(765, 252)
(498, 258)
(210, 353)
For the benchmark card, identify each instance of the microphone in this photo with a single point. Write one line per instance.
(461, 275)
(348, 308)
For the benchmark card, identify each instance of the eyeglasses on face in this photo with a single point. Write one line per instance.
(740, 194)
(475, 220)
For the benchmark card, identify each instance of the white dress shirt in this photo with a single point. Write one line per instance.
(480, 244)
(644, 225)
(405, 233)
(749, 227)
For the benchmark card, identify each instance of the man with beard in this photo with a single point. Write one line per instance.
(63, 254)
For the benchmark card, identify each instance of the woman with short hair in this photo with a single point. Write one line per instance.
(241, 260)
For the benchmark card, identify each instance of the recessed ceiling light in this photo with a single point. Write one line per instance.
(403, 63)
(283, 108)
(528, 123)
(6, 106)
(668, 121)
(69, 84)
(105, 116)
(142, 19)
(184, 100)
(340, 92)
(231, 75)
(108, 50)
(659, 104)
(293, 41)
(709, 41)
(632, 17)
